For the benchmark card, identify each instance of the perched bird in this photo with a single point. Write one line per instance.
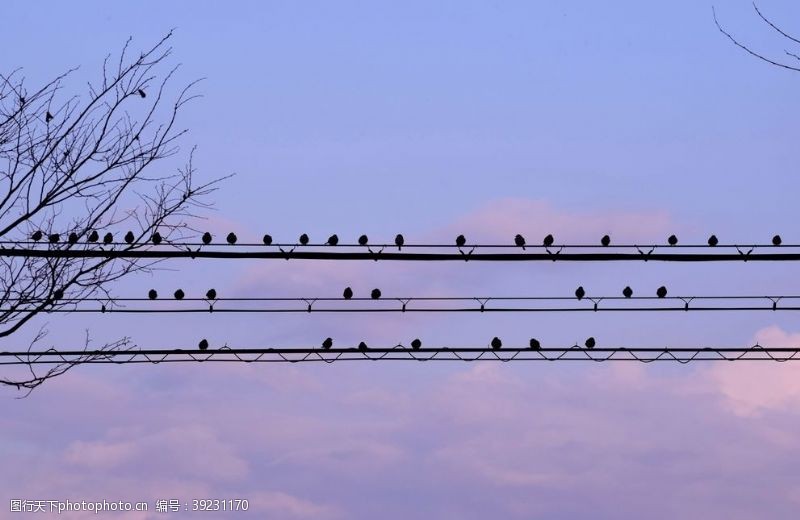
(362, 240)
(672, 240)
(534, 344)
(590, 343)
(399, 241)
(267, 240)
(36, 236)
(548, 240)
(206, 238)
(22, 100)
(776, 240)
(53, 238)
(348, 293)
(58, 294)
(203, 345)
(152, 294)
(108, 238)
(362, 346)
(73, 238)
(231, 238)
(129, 237)
(179, 294)
(141, 93)
(48, 117)
(605, 241)
(580, 293)
(328, 343)
(332, 240)
(376, 293)
(461, 240)
(303, 239)
(496, 343)
(519, 241)
(156, 238)
(211, 294)
(661, 292)
(93, 236)
(712, 240)
(627, 292)
(416, 344)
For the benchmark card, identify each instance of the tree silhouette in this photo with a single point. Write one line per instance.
(70, 166)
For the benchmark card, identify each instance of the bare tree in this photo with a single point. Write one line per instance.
(795, 57)
(72, 166)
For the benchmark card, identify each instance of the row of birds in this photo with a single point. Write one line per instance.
(333, 240)
(416, 344)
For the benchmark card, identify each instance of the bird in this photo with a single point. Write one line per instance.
(108, 238)
(231, 238)
(73, 238)
(53, 238)
(141, 93)
(713, 240)
(776, 240)
(661, 292)
(211, 294)
(93, 236)
(519, 240)
(206, 238)
(605, 241)
(22, 100)
(461, 240)
(534, 344)
(580, 293)
(58, 294)
(152, 294)
(672, 240)
(203, 345)
(399, 241)
(332, 240)
(48, 117)
(156, 238)
(328, 343)
(36, 236)
(627, 292)
(590, 343)
(548, 240)
(416, 344)
(496, 343)
(267, 240)
(129, 237)
(376, 293)
(362, 240)
(362, 346)
(303, 239)
(179, 294)
(348, 293)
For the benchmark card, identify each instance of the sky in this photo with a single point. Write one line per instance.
(576, 118)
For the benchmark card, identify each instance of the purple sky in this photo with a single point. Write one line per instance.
(579, 119)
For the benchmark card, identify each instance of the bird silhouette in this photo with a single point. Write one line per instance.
(362, 346)
(376, 293)
(179, 294)
(580, 293)
(348, 293)
(399, 241)
(53, 238)
(206, 238)
(496, 343)
(141, 93)
(152, 294)
(590, 343)
(303, 239)
(22, 100)
(108, 238)
(129, 237)
(776, 240)
(548, 240)
(672, 240)
(48, 117)
(627, 292)
(36, 236)
(58, 294)
(203, 345)
(519, 241)
(156, 238)
(93, 236)
(73, 238)
(267, 240)
(661, 292)
(534, 344)
(416, 344)
(461, 240)
(713, 240)
(211, 294)
(231, 238)
(332, 240)
(362, 240)
(328, 343)
(605, 241)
